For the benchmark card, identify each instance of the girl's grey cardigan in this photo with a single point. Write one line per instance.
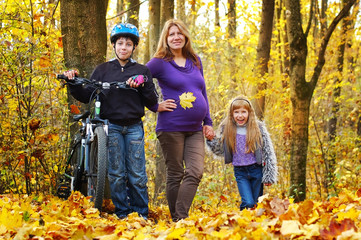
(265, 155)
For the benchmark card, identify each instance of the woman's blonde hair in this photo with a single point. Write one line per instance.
(253, 136)
(163, 50)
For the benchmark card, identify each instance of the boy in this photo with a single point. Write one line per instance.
(124, 109)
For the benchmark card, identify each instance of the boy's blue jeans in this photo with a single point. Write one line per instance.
(126, 171)
(249, 182)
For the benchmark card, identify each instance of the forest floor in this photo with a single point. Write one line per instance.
(48, 217)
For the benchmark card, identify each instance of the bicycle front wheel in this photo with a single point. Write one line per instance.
(98, 167)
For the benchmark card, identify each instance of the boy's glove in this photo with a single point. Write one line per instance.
(140, 79)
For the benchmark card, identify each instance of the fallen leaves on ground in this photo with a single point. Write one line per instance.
(48, 217)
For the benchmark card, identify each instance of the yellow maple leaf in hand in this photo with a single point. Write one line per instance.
(186, 100)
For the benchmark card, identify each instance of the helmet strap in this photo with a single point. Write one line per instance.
(119, 57)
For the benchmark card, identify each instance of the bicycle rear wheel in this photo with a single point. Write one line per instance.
(98, 167)
(72, 178)
(76, 163)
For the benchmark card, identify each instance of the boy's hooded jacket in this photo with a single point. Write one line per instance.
(120, 106)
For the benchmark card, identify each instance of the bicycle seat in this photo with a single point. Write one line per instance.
(81, 116)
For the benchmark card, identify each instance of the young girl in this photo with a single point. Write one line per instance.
(245, 142)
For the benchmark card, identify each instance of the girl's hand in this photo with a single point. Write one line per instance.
(208, 132)
(70, 74)
(167, 105)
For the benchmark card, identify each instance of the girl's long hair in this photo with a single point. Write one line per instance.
(163, 50)
(253, 136)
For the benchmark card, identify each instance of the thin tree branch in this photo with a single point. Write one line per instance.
(311, 17)
(325, 40)
(56, 6)
(129, 9)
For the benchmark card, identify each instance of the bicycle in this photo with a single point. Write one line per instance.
(86, 166)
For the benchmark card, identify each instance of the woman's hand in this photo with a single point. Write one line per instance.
(208, 132)
(70, 74)
(167, 105)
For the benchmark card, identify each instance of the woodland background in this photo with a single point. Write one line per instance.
(297, 60)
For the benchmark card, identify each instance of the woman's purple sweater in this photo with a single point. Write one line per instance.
(174, 81)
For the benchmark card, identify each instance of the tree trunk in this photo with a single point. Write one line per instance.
(359, 128)
(278, 25)
(332, 124)
(286, 50)
(146, 56)
(232, 32)
(193, 14)
(351, 63)
(299, 145)
(167, 11)
(83, 27)
(323, 16)
(216, 13)
(300, 97)
(84, 32)
(154, 28)
(302, 91)
(154, 33)
(133, 18)
(120, 9)
(282, 39)
(263, 54)
(133, 12)
(181, 10)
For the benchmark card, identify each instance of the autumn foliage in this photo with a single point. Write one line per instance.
(44, 217)
(34, 134)
(33, 105)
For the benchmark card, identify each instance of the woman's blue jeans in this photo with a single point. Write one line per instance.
(249, 182)
(126, 172)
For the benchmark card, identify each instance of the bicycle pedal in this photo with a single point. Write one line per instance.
(63, 191)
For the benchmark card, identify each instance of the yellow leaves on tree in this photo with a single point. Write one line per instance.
(186, 100)
(30, 57)
(45, 62)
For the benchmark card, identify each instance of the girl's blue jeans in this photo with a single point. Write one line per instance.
(249, 182)
(126, 172)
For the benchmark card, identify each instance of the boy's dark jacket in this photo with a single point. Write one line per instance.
(120, 106)
(265, 154)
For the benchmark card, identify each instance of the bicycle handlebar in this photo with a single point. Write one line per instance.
(97, 84)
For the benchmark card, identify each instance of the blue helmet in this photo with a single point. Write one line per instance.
(125, 30)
